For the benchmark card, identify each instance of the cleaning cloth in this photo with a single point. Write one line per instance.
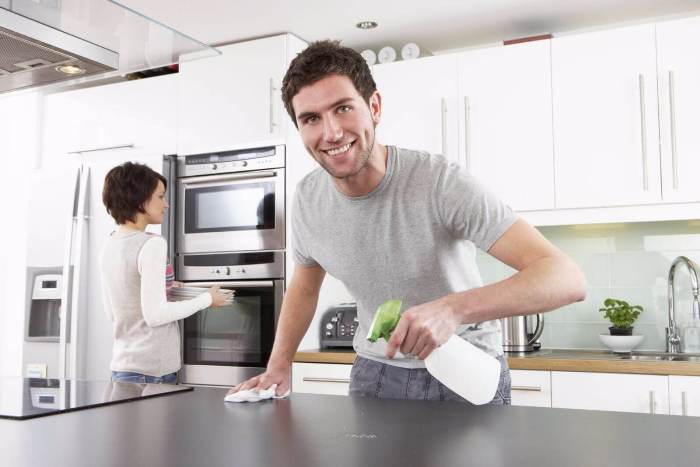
(251, 395)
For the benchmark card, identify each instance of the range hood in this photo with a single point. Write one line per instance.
(57, 41)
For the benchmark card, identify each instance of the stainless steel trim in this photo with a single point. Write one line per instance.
(443, 116)
(226, 177)
(652, 402)
(672, 112)
(526, 388)
(684, 403)
(643, 118)
(212, 375)
(272, 106)
(467, 123)
(106, 148)
(239, 284)
(311, 379)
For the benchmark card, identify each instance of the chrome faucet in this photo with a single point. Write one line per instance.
(673, 338)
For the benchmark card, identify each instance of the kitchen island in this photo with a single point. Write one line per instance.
(198, 428)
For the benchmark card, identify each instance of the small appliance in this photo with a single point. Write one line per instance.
(338, 326)
(516, 334)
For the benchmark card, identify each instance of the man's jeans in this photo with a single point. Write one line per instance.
(370, 378)
(129, 377)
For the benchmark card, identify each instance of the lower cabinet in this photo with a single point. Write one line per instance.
(684, 395)
(610, 391)
(531, 388)
(321, 378)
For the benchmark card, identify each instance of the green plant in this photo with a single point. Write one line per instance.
(620, 313)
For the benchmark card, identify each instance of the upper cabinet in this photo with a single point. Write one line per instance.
(679, 108)
(506, 121)
(419, 104)
(234, 100)
(605, 118)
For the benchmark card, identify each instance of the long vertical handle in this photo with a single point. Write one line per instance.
(76, 304)
(652, 402)
(467, 123)
(443, 120)
(643, 118)
(272, 105)
(684, 403)
(672, 111)
(67, 288)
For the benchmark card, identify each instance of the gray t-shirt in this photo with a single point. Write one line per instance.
(411, 238)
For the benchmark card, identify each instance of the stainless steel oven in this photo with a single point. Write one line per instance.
(226, 345)
(231, 201)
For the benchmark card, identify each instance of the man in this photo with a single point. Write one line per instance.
(397, 224)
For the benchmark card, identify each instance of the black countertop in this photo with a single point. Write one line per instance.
(199, 429)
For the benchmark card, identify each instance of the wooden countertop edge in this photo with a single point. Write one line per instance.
(543, 364)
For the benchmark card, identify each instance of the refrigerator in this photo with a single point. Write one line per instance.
(67, 226)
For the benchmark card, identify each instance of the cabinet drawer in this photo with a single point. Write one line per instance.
(531, 388)
(321, 378)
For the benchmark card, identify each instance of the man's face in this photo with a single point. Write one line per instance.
(336, 124)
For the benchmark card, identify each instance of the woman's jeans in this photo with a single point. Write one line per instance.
(370, 378)
(129, 377)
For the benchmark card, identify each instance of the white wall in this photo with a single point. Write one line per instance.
(20, 121)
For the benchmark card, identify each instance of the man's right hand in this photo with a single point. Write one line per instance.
(282, 377)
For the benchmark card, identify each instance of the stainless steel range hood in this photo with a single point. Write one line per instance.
(33, 54)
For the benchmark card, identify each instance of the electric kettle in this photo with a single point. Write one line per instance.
(516, 337)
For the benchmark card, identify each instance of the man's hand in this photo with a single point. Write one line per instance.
(282, 377)
(422, 329)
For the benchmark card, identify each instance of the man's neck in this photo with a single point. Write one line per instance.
(369, 177)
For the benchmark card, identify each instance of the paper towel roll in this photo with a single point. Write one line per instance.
(465, 370)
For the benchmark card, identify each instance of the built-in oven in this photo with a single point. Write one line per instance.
(229, 344)
(231, 201)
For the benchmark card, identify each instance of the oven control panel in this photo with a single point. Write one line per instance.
(240, 160)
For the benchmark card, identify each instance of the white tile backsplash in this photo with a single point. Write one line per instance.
(625, 261)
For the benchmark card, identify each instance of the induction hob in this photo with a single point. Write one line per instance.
(24, 398)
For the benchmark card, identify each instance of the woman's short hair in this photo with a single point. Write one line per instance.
(127, 188)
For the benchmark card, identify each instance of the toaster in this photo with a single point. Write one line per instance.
(338, 326)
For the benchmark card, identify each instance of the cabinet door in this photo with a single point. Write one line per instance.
(684, 395)
(506, 121)
(233, 100)
(531, 388)
(605, 118)
(321, 378)
(419, 109)
(610, 391)
(679, 108)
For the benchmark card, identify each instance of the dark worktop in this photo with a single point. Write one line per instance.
(199, 429)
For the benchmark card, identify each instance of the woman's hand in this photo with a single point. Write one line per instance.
(218, 298)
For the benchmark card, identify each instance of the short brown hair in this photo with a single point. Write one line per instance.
(321, 59)
(127, 188)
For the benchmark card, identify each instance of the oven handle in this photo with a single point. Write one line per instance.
(232, 284)
(224, 177)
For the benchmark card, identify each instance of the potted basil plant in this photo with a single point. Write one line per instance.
(621, 315)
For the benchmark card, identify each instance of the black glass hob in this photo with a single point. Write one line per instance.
(24, 398)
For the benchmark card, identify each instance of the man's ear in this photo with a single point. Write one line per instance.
(375, 107)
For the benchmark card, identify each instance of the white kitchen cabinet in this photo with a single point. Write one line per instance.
(605, 118)
(506, 121)
(321, 378)
(679, 108)
(136, 117)
(233, 100)
(684, 395)
(419, 104)
(610, 391)
(531, 388)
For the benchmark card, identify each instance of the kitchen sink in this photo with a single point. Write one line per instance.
(661, 357)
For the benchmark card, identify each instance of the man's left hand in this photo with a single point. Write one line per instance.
(422, 329)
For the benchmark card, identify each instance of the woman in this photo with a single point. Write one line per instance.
(133, 269)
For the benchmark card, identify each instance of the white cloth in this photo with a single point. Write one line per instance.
(251, 395)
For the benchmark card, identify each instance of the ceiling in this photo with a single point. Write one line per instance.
(435, 25)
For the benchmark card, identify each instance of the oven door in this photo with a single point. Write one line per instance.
(231, 212)
(226, 345)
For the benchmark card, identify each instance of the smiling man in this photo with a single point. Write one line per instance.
(393, 223)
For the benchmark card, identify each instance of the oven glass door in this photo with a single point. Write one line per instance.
(237, 334)
(232, 212)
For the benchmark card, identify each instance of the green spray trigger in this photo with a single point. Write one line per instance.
(385, 320)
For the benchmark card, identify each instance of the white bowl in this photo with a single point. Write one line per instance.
(621, 344)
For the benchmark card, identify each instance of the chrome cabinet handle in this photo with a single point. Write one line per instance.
(526, 388)
(443, 113)
(643, 118)
(684, 403)
(467, 121)
(652, 402)
(272, 105)
(672, 111)
(106, 148)
(312, 379)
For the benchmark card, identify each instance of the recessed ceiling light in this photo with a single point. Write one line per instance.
(367, 24)
(70, 69)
